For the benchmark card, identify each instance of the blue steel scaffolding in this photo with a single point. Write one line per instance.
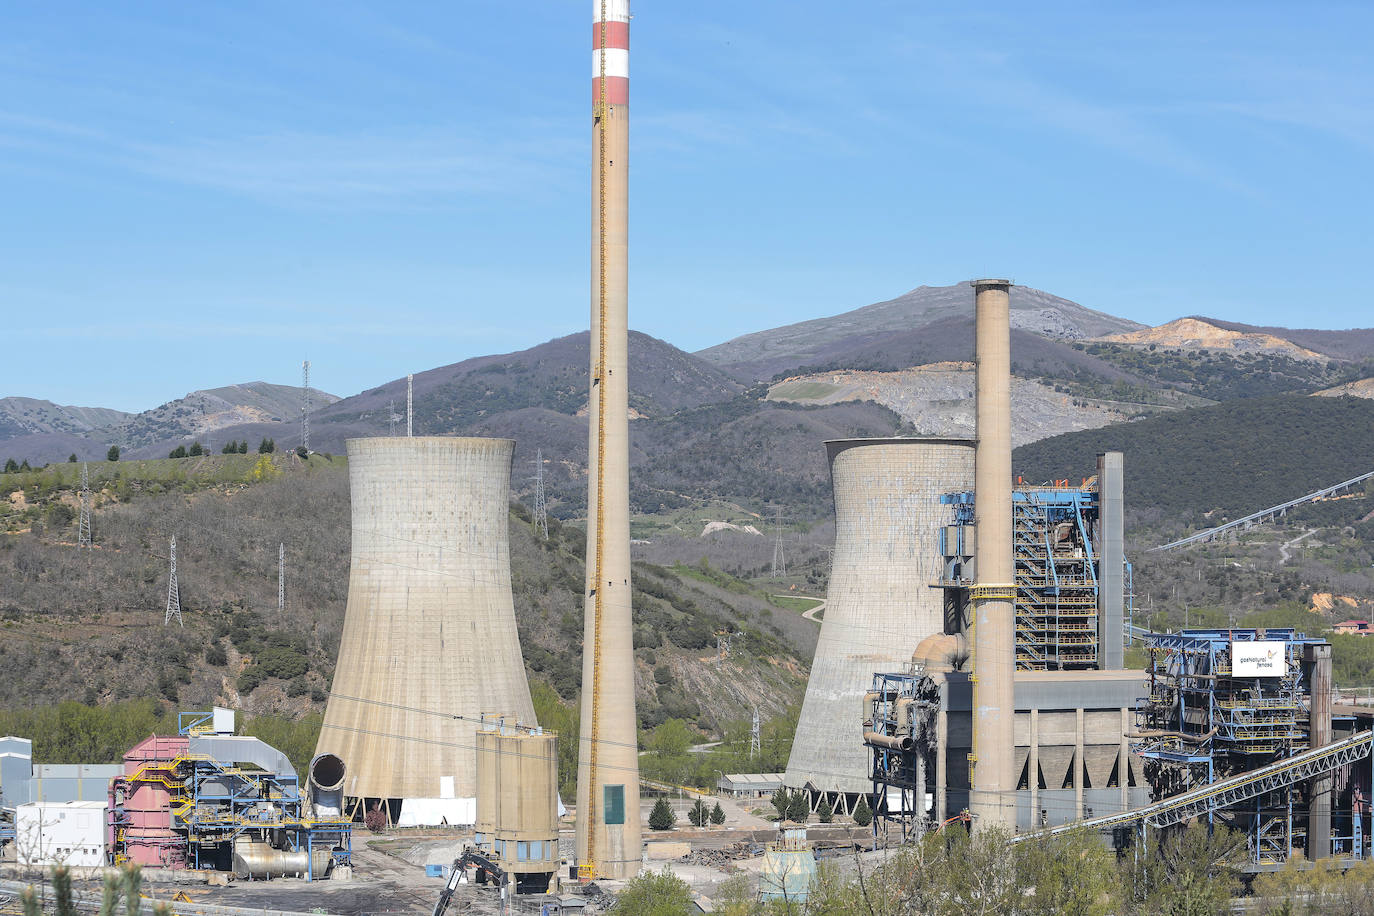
(1053, 536)
(1204, 722)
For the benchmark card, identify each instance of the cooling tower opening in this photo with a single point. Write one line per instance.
(327, 771)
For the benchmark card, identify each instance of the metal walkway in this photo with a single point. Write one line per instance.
(1263, 514)
(1229, 792)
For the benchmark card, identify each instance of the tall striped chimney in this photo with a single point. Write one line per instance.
(992, 793)
(608, 830)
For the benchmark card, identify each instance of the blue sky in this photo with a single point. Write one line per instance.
(197, 194)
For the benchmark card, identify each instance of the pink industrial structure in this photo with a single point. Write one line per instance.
(144, 826)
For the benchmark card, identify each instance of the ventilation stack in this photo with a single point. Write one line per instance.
(880, 604)
(992, 795)
(608, 827)
(429, 640)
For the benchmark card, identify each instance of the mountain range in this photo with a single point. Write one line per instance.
(744, 420)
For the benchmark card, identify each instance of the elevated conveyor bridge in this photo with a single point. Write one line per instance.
(1227, 793)
(1263, 515)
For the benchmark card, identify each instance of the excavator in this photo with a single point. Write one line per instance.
(487, 871)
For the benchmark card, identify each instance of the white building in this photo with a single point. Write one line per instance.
(60, 833)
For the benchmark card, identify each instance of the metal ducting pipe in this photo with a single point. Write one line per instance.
(253, 859)
(902, 743)
(326, 783)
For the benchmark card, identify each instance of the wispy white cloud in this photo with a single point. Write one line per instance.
(264, 329)
(391, 167)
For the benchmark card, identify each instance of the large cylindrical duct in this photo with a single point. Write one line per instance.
(880, 604)
(254, 859)
(327, 773)
(429, 639)
(992, 795)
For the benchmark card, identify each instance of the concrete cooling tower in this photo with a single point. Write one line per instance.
(429, 638)
(880, 603)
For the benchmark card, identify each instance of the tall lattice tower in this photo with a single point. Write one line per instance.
(779, 556)
(84, 531)
(410, 406)
(305, 405)
(541, 505)
(755, 737)
(281, 577)
(173, 592)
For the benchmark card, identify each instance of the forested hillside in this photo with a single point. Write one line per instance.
(1221, 461)
(88, 625)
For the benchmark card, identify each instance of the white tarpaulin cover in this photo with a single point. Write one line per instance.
(1258, 659)
(432, 812)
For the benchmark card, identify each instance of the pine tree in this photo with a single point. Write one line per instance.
(718, 815)
(863, 815)
(243, 446)
(780, 802)
(798, 807)
(112, 454)
(699, 814)
(11, 466)
(71, 459)
(825, 812)
(662, 817)
(196, 450)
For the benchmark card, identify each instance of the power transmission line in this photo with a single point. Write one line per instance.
(305, 405)
(84, 531)
(779, 557)
(173, 593)
(541, 506)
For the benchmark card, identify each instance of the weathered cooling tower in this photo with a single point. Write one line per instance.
(429, 639)
(880, 603)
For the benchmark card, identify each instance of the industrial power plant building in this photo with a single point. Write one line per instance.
(903, 601)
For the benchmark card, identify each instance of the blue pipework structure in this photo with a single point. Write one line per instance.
(224, 805)
(1204, 723)
(899, 730)
(247, 813)
(1055, 534)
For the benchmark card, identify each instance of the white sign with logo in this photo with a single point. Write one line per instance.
(1258, 659)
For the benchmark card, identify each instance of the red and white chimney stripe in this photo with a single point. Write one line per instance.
(617, 51)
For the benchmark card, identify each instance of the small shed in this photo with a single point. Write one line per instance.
(750, 785)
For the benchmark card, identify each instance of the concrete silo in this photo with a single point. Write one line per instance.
(429, 639)
(880, 604)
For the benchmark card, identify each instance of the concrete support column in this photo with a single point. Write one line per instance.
(1318, 659)
(942, 765)
(1033, 768)
(1123, 760)
(1080, 765)
(1111, 574)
